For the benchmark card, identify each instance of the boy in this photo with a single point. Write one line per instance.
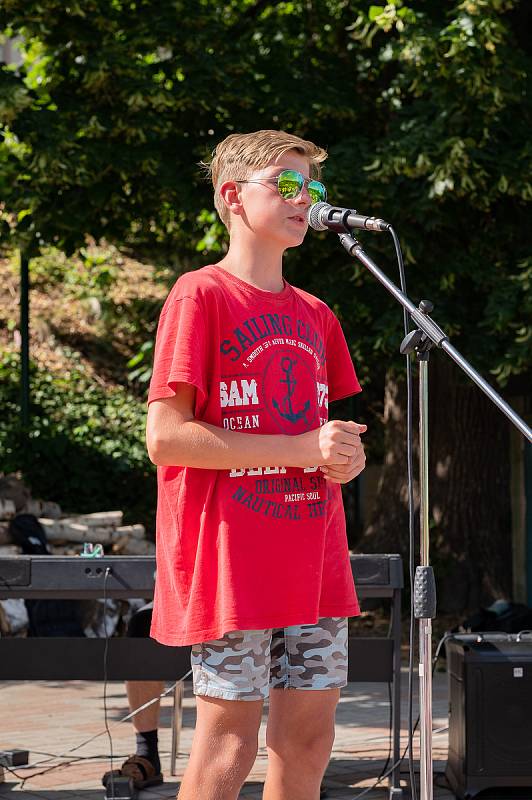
(252, 561)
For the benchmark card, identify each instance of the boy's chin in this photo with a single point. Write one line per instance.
(296, 240)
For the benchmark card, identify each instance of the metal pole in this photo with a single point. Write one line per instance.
(25, 339)
(425, 624)
(429, 333)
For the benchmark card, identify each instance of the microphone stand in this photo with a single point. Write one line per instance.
(421, 341)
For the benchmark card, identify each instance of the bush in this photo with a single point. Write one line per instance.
(85, 445)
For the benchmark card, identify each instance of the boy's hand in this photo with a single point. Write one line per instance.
(337, 446)
(343, 473)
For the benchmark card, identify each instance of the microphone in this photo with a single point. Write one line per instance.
(322, 217)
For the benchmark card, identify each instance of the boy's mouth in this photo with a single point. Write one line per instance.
(298, 218)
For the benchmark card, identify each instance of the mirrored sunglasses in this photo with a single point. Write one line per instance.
(290, 184)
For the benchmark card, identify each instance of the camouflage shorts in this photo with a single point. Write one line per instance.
(244, 665)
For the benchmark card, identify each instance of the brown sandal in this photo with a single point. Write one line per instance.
(139, 769)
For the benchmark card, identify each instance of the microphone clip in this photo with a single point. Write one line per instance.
(341, 225)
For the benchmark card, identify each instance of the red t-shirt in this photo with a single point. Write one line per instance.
(256, 548)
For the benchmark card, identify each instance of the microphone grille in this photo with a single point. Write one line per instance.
(314, 216)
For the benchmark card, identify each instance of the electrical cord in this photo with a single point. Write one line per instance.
(390, 715)
(411, 525)
(412, 543)
(105, 656)
(107, 728)
(389, 756)
(77, 759)
(411, 731)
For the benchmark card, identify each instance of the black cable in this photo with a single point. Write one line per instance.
(105, 656)
(411, 537)
(77, 759)
(411, 526)
(27, 791)
(390, 713)
(389, 756)
(412, 730)
(383, 773)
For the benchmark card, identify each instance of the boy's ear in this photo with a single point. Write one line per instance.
(230, 194)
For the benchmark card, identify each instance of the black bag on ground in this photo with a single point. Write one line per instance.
(47, 617)
(27, 532)
(502, 616)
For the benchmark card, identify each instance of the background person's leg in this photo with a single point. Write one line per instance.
(224, 748)
(146, 722)
(139, 693)
(299, 738)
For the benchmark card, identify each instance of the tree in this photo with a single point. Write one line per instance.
(423, 104)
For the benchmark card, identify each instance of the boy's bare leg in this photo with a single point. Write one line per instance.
(138, 693)
(224, 748)
(299, 738)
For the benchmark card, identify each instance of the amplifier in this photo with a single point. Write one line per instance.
(490, 715)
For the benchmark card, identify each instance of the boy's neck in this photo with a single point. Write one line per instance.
(260, 268)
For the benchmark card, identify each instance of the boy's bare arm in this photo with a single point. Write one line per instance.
(175, 438)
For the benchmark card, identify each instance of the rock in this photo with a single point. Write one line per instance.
(4, 624)
(66, 549)
(10, 550)
(100, 519)
(13, 488)
(16, 614)
(33, 507)
(63, 530)
(7, 508)
(50, 509)
(5, 538)
(42, 508)
(105, 619)
(137, 547)
(135, 531)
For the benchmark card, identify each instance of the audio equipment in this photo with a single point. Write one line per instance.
(490, 714)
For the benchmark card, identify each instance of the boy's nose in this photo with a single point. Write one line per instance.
(304, 197)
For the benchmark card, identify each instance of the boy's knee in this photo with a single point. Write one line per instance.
(312, 748)
(236, 752)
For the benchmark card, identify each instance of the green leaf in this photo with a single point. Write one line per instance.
(374, 12)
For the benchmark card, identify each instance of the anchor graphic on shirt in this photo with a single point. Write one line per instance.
(287, 365)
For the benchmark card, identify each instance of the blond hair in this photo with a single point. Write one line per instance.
(241, 154)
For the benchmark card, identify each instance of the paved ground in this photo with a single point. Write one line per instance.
(51, 718)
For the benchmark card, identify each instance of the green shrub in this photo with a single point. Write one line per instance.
(85, 445)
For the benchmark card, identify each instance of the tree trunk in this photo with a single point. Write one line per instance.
(469, 488)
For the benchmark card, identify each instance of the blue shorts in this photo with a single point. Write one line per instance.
(244, 665)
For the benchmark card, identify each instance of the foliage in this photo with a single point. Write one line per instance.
(424, 107)
(85, 447)
(104, 304)
(424, 104)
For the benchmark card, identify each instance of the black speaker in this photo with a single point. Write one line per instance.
(490, 714)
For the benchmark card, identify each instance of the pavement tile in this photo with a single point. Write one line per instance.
(53, 717)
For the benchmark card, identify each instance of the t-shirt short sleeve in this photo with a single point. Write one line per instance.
(341, 375)
(180, 349)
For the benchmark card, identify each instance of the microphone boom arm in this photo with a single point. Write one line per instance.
(427, 334)
(436, 335)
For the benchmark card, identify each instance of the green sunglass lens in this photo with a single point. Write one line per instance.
(317, 192)
(289, 184)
